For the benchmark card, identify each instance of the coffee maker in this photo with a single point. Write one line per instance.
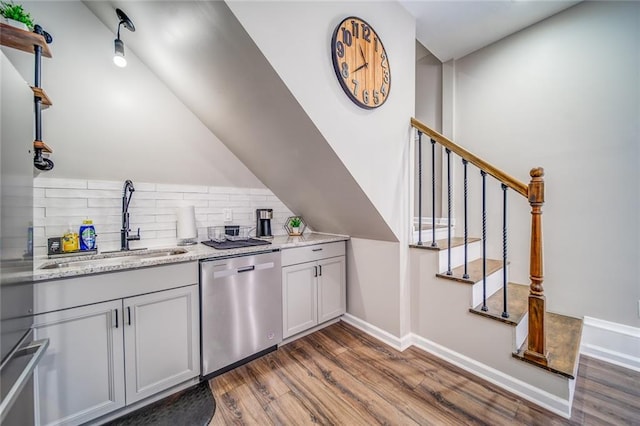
(263, 223)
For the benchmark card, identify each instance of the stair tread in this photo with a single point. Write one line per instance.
(517, 304)
(474, 270)
(563, 344)
(444, 243)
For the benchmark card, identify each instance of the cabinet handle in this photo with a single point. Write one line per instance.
(320, 269)
(315, 271)
(129, 314)
(116, 318)
(317, 249)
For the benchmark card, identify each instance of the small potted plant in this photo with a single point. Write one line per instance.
(16, 16)
(295, 223)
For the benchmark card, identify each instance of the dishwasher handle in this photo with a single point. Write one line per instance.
(246, 269)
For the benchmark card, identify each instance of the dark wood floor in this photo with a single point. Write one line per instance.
(342, 376)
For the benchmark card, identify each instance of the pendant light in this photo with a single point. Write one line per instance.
(118, 57)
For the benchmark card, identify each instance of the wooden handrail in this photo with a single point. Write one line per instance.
(534, 192)
(510, 181)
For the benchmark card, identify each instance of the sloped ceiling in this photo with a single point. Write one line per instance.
(203, 54)
(453, 29)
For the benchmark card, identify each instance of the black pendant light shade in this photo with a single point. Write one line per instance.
(118, 57)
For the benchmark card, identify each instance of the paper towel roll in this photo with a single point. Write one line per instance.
(186, 228)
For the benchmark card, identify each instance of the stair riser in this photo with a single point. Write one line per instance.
(427, 235)
(474, 251)
(521, 331)
(494, 283)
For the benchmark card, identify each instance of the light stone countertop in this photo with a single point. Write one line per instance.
(120, 261)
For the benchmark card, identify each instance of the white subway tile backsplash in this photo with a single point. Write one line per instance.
(80, 193)
(161, 187)
(135, 203)
(159, 195)
(75, 203)
(208, 196)
(105, 184)
(166, 218)
(85, 213)
(101, 202)
(181, 203)
(141, 186)
(60, 203)
(44, 182)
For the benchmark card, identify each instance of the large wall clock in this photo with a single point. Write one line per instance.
(361, 63)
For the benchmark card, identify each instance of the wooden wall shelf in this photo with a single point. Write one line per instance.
(43, 146)
(22, 40)
(40, 93)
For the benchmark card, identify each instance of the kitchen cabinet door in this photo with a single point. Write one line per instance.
(299, 298)
(81, 376)
(162, 346)
(331, 288)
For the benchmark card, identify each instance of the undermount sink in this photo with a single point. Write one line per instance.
(114, 258)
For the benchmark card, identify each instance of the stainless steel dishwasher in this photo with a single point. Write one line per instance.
(241, 306)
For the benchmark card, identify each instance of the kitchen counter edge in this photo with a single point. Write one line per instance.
(194, 253)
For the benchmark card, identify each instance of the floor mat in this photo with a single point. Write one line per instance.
(192, 407)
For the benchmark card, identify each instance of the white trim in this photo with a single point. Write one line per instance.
(309, 331)
(524, 390)
(398, 343)
(559, 406)
(611, 342)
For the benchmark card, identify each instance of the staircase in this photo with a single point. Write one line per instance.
(493, 327)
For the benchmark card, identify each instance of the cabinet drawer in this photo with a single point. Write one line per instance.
(310, 253)
(70, 292)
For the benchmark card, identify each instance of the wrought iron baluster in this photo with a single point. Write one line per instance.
(505, 310)
(433, 194)
(466, 229)
(419, 189)
(484, 241)
(448, 151)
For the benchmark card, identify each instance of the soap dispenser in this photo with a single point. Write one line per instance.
(87, 235)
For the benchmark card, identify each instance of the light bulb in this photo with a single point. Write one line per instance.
(119, 61)
(118, 57)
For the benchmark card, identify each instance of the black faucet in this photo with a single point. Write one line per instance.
(124, 232)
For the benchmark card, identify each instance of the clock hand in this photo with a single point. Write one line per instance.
(365, 65)
(362, 53)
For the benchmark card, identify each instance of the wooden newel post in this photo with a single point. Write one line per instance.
(536, 348)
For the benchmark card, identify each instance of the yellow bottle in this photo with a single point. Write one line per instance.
(70, 242)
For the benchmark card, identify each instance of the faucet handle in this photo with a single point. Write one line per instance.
(134, 237)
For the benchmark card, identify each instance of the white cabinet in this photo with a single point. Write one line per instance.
(299, 298)
(81, 376)
(314, 287)
(107, 355)
(161, 341)
(332, 291)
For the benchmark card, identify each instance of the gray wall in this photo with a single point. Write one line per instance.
(428, 111)
(565, 94)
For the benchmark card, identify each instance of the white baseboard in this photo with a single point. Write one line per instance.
(398, 343)
(559, 406)
(537, 396)
(611, 342)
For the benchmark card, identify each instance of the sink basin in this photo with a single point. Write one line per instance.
(114, 258)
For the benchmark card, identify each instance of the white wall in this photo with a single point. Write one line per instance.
(295, 38)
(565, 94)
(373, 144)
(113, 123)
